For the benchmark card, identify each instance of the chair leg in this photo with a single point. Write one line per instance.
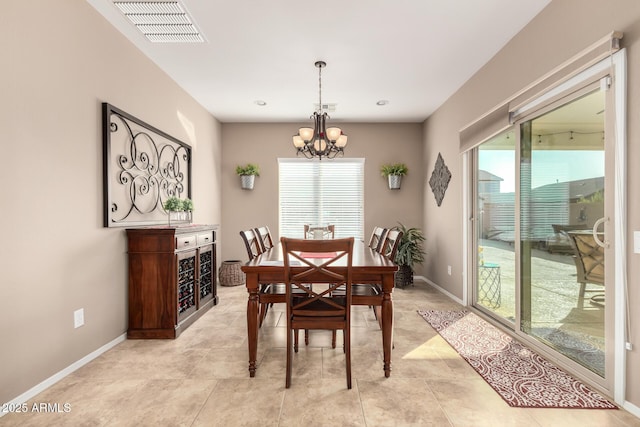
(347, 350)
(583, 288)
(378, 312)
(295, 340)
(306, 337)
(288, 368)
(333, 339)
(263, 313)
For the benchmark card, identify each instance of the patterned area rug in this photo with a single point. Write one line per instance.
(584, 349)
(520, 376)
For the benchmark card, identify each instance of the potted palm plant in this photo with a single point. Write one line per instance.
(247, 175)
(410, 253)
(394, 173)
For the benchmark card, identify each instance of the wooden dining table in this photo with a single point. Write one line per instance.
(369, 267)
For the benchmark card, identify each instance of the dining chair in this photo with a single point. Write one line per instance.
(327, 232)
(371, 293)
(317, 308)
(391, 243)
(377, 238)
(268, 293)
(330, 232)
(264, 238)
(251, 243)
(589, 259)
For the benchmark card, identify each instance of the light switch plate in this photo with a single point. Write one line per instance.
(636, 242)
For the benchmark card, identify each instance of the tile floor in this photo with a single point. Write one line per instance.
(201, 379)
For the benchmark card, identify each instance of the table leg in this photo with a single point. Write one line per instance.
(252, 321)
(387, 321)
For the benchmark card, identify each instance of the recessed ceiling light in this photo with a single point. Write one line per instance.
(261, 103)
(161, 21)
(382, 102)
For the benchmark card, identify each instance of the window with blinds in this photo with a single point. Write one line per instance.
(320, 193)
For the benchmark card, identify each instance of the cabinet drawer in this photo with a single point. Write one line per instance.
(183, 242)
(205, 238)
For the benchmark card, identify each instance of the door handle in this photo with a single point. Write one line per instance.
(599, 242)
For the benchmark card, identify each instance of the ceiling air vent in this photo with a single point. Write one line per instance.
(161, 22)
(329, 108)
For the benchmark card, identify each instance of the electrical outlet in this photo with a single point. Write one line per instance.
(628, 346)
(449, 270)
(78, 318)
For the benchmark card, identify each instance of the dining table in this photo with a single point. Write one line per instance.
(368, 267)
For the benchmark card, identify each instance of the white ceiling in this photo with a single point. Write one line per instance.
(413, 53)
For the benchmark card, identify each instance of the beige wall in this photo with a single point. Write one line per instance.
(560, 31)
(263, 144)
(58, 65)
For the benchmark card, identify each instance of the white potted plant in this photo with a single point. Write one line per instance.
(187, 206)
(247, 175)
(172, 205)
(394, 173)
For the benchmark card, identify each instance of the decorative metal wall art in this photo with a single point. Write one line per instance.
(142, 167)
(440, 178)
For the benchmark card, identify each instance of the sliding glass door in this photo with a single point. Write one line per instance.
(562, 210)
(494, 231)
(542, 253)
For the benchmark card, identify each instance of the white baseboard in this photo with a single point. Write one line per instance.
(631, 408)
(447, 293)
(63, 373)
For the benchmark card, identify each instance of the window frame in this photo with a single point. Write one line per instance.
(328, 198)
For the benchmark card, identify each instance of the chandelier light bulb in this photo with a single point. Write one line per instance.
(342, 141)
(305, 133)
(319, 145)
(297, 141)
(334, 133)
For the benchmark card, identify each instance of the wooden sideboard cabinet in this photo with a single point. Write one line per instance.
(172, 278)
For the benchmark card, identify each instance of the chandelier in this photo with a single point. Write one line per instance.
(320, 141)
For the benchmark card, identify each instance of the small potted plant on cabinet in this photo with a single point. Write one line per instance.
(394, 173)
(172, 205)
(410, 253)
(187, 206)
(247, 175)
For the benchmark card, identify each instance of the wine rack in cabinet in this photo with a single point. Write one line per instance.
(172, 279)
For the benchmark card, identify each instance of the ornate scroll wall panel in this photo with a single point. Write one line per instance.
(142, 167)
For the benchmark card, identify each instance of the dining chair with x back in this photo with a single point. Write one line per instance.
(319, 232)
(377, 238)
(326, 262)
(371, 293)
(251, 243)
(264, 238)
(269, 293)
(391, 243)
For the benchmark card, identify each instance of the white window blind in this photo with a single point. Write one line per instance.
(322, 193)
